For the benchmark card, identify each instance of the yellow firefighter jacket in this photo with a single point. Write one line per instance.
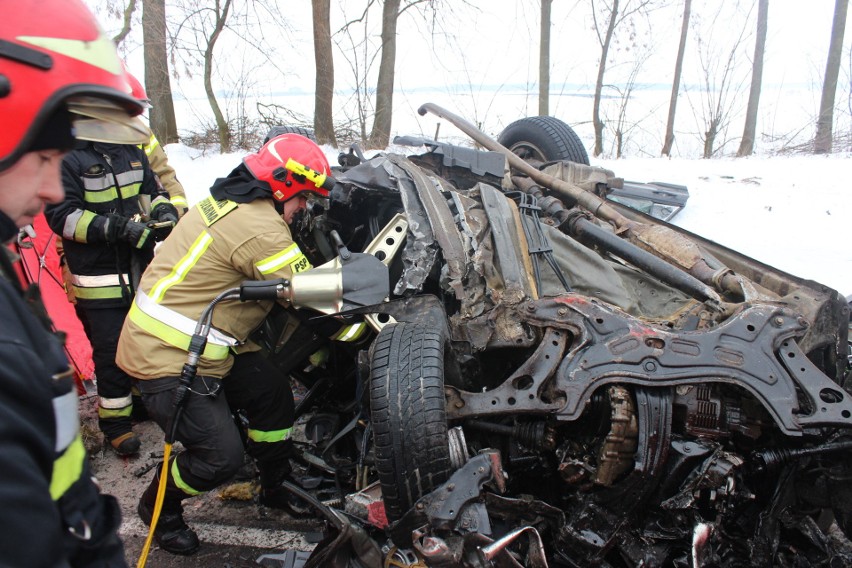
(216, 246)
(166, 173)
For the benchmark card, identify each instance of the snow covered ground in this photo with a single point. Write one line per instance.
(789, 212)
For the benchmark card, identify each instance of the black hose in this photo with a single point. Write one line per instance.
(586, 231)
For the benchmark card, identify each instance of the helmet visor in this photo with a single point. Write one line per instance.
(100, 120)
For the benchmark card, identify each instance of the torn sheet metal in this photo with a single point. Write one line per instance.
(440, 217)
(511, 259)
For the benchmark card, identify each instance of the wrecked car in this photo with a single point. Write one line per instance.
(559, 380)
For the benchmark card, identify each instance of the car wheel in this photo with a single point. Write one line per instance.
(279, 130)
(409, 417)
(544, 139)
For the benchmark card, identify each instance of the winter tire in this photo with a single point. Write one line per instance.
(279, 130)
(409, 417)
(544, 139)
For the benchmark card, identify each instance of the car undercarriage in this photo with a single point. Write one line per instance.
(559, 380)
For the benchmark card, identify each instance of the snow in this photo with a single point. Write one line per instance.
(791, 212)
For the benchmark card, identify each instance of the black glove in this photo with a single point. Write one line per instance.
(120, 228)
(164, 213)
(163, 219)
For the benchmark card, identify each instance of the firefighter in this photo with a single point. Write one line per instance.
(167, 178)
(59, 77)
(238, 233)
(108, 237)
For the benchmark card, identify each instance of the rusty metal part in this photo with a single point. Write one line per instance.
(658, 240)
(521, 392)
(456, 504)
(754, 349)
(586, 199)
(535, 551)
(437, 551)
(616, 454)
(402, 558)
(587, 231)
(680, 249)
(511, 253)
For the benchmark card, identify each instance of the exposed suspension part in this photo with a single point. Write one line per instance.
(534, 435)
(772, 460)
(616, 453)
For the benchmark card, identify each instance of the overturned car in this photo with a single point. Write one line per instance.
(559, 380)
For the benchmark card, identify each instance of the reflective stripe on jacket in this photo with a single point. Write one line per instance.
(160, 164)
(215, 247)
(47, 485)
(99, 180)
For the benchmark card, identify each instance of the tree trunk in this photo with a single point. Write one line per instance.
(323, 122)
(380, 136)
(544, 60)
(596, 110)
(825, 121)
(221, 12)
(710, 138)
(157, 82)
(747, 141)
(681, 49)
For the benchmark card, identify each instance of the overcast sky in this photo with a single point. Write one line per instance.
(488, 41)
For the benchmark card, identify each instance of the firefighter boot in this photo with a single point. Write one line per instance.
(274, 494)
(172, 533)
(118, 432)
(127, 444)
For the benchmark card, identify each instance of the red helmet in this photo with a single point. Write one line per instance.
(137, 89)
(291, 164)
(55, 57)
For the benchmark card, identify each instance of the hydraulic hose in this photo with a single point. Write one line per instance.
(277, 289)
(187, 375)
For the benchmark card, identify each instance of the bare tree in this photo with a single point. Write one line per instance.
(126, 20)
(747, 141)
(825, 121)
(323, 122)
(157, 82)
(622, 126)
(360, 53)
(380, 136)
(226, 39)
(722, 81)
(681, 49)
(544, 60)
(219, 13)
(613, 14)
(353, 41)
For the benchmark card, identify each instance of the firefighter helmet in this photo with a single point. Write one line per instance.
(291, 164)
(137, 89)
(55, 60)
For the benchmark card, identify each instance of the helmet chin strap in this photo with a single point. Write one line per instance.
(279, 206)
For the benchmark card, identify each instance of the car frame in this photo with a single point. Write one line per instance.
(560, 379)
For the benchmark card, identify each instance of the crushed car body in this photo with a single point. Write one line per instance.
(560, 380)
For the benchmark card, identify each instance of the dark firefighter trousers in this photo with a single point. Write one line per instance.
(103, 326)
(213, 445)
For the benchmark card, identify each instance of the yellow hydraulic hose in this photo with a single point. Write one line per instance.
(158, 505)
